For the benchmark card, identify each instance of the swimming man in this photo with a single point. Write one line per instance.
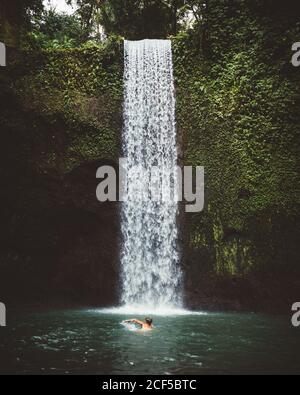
(145, 326)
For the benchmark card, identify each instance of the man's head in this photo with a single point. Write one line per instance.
(148, 320)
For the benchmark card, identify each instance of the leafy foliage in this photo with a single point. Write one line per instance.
(57, 30)
(15, 16)
(244, 95)
(134, 19)
(74, 98)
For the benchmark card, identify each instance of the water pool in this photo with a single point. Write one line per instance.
(89, 341)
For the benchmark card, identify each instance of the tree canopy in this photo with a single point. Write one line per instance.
(95, 19)
(135, 19)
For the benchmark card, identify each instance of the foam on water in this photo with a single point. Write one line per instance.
(129, 326)
(146, 310)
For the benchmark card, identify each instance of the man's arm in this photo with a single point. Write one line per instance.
(135, 321)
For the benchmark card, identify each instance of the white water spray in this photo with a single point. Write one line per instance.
(151, 275)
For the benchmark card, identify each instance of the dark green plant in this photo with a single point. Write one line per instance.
(57, 30)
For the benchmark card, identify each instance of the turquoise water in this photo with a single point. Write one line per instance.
(90, 342)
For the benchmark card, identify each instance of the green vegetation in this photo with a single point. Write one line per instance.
(77, 95)
(53, 30)
(244, 95)
(238, 100)
(135, 19)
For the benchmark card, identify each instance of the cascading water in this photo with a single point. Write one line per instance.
(150, 261)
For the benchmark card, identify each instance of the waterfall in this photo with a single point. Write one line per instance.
(151, 276)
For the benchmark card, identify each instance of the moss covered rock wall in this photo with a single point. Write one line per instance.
(238, 99)
(237, 115)
(60, 119)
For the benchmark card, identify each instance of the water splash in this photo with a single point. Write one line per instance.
(142, 311)
(151, 275)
